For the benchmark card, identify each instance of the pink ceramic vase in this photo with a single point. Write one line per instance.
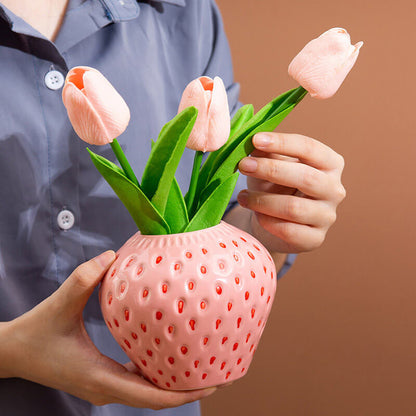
(189, 309)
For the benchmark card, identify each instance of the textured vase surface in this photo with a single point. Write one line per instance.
(189, 309)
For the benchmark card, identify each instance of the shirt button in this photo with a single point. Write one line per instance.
(65, 219)
(54, 80)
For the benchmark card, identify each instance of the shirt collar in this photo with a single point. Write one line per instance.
(129, 9)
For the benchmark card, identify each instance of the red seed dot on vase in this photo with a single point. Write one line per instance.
(237, 280)
(268, 299)
(180, 306)
(159, 315)
(204, 376)
(203, 269)
(196, 363)
(265, 269)
(122, 287)
(242, 370)
(251, 348)
(145, 293)
(218, 289)
(113, 272)
(271, 275)
(235, 257)
(205, 340)
(184, 349)
(164, 288)
(242, 238)
(149, 353)
(177, 266)
(192, 324)
(173, 379)
(144, 362)
(257, 248)
(188, 255)
(158, 259)
(170, 329)
(204, 251)
(203, 305)
(253, 275)
(129, 263)
(228, 375)
(187, 373)
(224, 340)
(116, 323)
(229, 306)
(191, 285)
(143, 327)
(217, 323)
(239, 361)
(139, 271)
(247, 295)
(134, 335)
(160, 372)
(154, 380)
(251, 255)
(109, 324)
(157, 340)
(262, 291)
(110, 299)
(253, 312)
(248, 337)
(127, 343)
(167, 384)
(235, 243)
(223, 365)
(212, 359)
(223, 245)
(235, 346)
(259, 323)
(171, 361)
(126, 315)
(238, 322)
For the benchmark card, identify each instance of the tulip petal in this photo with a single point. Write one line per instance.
(107, 102)
(84, 119)
(218, 117)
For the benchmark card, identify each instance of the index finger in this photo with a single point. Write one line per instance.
(309, 151)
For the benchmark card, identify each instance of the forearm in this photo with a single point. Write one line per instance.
(242, 218)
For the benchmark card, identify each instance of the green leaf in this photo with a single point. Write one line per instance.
(215, 159)
(145, 215)
(176, 214)
(243, 149)
(240, 117)
(212, 210)
(165, 156)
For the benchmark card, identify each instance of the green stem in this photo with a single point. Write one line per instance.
(194, 180)
(121, 157)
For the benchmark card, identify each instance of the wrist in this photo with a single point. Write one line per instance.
(7, 350)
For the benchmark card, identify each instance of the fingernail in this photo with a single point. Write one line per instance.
(262, 140)
(248, 164)
(104, 259)
(242, 198)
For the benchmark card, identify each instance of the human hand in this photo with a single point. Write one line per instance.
(294, 188)
(49, 345)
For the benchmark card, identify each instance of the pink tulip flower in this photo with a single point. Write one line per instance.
(212, 126)
(322, 65)
(96, 110)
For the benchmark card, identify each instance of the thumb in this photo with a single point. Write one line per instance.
(78, 287)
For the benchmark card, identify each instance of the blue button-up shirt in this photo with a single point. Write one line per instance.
(55, 208)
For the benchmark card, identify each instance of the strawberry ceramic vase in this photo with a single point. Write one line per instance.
(189, 309)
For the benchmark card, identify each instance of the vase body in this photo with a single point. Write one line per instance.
(189, 309)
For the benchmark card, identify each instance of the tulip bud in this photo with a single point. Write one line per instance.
(96, 110)
(322, 65)
(212, 126)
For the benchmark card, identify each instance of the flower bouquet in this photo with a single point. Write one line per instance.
(189, 295)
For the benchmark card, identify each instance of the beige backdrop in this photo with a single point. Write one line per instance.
(341, 338)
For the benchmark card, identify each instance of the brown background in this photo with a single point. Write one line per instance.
(341, 339)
